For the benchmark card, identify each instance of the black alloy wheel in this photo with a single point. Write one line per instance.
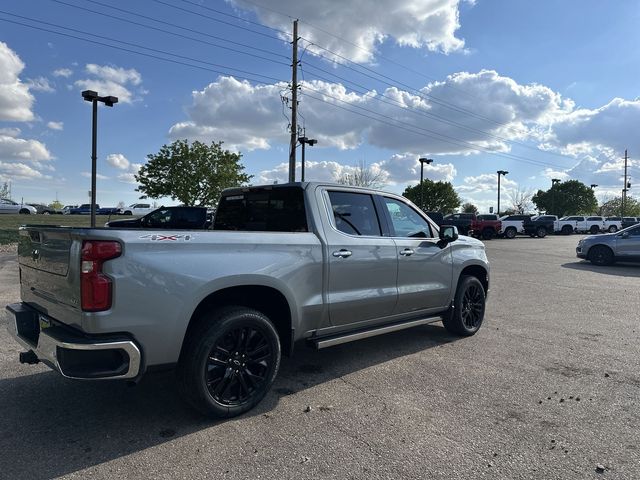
(594, 229)
(472, 306)
(467, 314)
(541, 232)
(567, 230)
(601, 255)
(229, 361)
(238, 365)
(488, 233)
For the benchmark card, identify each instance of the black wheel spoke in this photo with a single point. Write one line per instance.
(246, 356)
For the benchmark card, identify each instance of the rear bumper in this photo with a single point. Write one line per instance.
(70, 352)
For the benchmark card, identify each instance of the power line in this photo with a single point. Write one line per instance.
(423, 113)
(137, 46)
(430, 133)
(218, 20)
(238, 17)
(128, 12)
(95, 42)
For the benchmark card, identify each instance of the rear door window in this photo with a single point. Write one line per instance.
(354, 213)
(279, 209)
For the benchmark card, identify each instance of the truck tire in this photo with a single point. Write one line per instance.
(467, 314)
(510, 232)
(229, 361)
(24, 211)
(613, 229)
(601, 255)
(541, 232)
(566, 230)
(594, 229)
(128, 212)
(488, 233)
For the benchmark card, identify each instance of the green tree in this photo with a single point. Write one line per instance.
(566, 198)
(469, 208)
(436, 196)
(4, 190)
(613, 207)
(194, 174)
(57, 204)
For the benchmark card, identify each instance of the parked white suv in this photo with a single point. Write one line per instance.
(137, 209)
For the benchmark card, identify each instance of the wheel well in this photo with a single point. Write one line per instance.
(479, 272)
(599, 245)
(264, 299)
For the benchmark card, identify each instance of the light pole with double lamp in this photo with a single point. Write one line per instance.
(422, 162)
(94, 98)
(305, 141)
(500, 173)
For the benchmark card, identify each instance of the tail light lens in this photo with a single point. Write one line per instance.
(95, 286)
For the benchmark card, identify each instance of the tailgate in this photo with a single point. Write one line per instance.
(49, 272)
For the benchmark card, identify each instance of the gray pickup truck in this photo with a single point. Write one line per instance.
(302, 262)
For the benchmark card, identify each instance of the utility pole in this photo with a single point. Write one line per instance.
(624, 187)
(500, 173)
(294, 104)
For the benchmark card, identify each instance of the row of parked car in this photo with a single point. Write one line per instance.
(509, 226)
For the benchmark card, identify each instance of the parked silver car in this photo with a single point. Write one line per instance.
(606, 249)
(9, 206)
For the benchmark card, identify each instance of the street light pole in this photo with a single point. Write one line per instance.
(554, 181)
(305, 141)
(422, 162)
(109, 101)
(500, 173)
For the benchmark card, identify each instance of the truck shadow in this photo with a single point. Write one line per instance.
(619, 269)
(51, 426)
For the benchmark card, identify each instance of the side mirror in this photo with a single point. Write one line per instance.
(448, 233)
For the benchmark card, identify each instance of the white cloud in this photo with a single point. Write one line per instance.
(10, 171)
(363, 25)
(486, 182)
(115, 74)
(20, 149)
(250, 116)
(118, 160)
(63, 72)
(114, 81)
(55, 125)
(612, 126)
(9, 132)
(40, 84)
(15, 99)
(98, 176)
(129, 177)
(399, 170)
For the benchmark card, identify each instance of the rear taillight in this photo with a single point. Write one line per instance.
(95, 286)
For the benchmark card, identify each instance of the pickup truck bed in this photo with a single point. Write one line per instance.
(309, 262)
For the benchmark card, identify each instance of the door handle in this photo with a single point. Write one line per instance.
(342, 253)
(407, 252)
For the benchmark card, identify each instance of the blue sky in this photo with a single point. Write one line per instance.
(543, 90)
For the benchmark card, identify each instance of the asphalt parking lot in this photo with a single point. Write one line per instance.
(548, 389)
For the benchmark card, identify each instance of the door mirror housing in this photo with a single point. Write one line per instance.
(448, 233)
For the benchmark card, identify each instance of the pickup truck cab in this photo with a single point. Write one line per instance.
(613, 224)
(540, 226)
(513, 225)
(480, 226)
(84, 209)
(174, 218)
(137, 209)
(301, 262)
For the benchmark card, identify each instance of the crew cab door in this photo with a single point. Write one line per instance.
(362, 263)
(425, 268)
